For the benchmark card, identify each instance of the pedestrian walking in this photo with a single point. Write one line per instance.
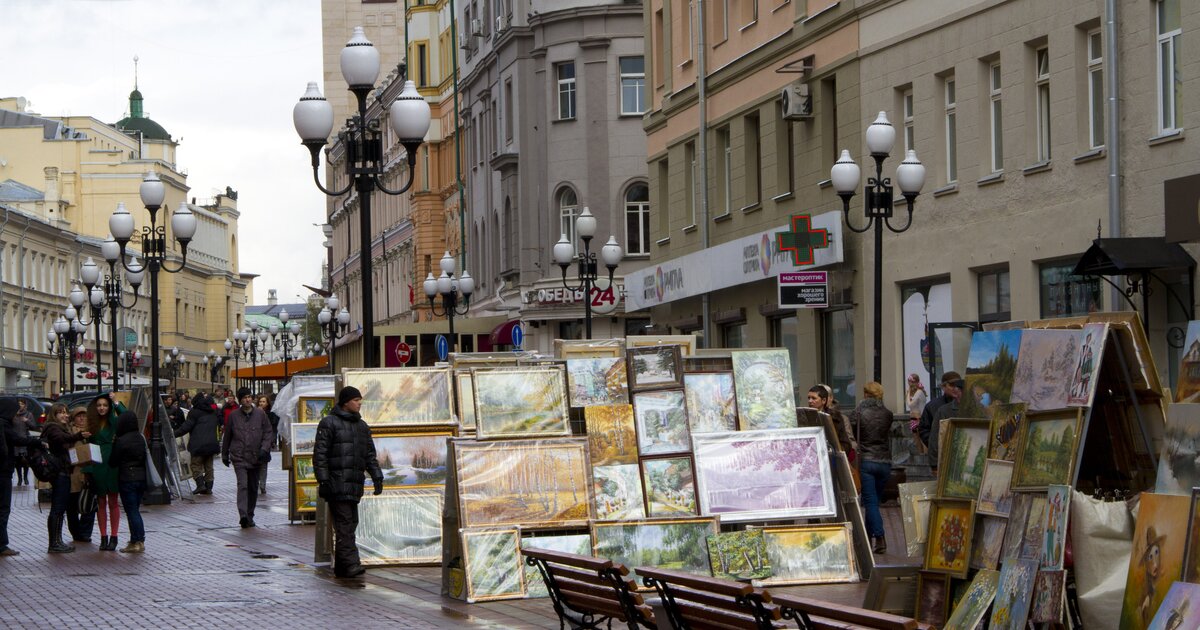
(915, 400)
(344, 450)
(927, 429)
(264, 403)
(9, 440)
(872, 422)
(81, 508)
(60, 438)
(129, 459)
(102, 478)
(23, 422)
(202, 425)
(246, 444)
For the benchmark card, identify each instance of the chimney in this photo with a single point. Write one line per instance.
(272, 297)
(51, 188)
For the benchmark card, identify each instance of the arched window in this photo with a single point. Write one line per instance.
(637, 219)
(568, 210)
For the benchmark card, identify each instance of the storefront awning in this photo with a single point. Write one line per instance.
(1121, 256)
(274, 371)
(502, 334)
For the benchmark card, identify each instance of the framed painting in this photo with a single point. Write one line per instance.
(467, 360)
(618, 492)
(661, 420)
(302, 469)
(1046, 450)
(760, 475)
(545, 483)
(711, 403)
(951, 525)
(655, 367)
(521, 402)
(677, 544)
(403, 395)
(464, 395)
(991, 366)
(493, 564)
(1187, 386)
(304, 438)
(588, 348)
(1049, 590)
(1179, 609)
(313, 408)
(1081, 389)
(739, 555)
(412, 459)
(962, 456)
(974, 603)
(933, 598)
(1177, 469)
(763, 382)
(1044, 366)
(1157, 556)
(1010, 611)
(670, 486)
(892, 589)
(686, 343)
(809, 554)
(1033, 538)
(611, 436)
(1007, 422)
(1015, 530)
(914, 513)
(597, 382)
(989, 540)
(1058, 507)
(306, 497)
(995, 493)
(401, 527)
(1130, 333)
(1191, 547)
(535, 585)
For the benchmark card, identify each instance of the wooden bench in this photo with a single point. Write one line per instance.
(588, 592)
(702, 603)
(813, 614)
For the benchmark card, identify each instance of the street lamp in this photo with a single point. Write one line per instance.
(95, 302)
(71, 333)
(409, 117)
(910, 175)
(173, 363)
(564, 254)
(333, 325)
(62, 339)
(132, 360)
(213, 362)
(285, 337)
(110, 293)
(450, 288)
(253, 347)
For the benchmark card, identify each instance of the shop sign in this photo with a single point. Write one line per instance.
(804, 289)
(603, 299)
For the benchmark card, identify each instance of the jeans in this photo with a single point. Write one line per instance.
(60, 495)
(247, 490)
(874, 477)
(131, 498)
(345, 549)
(6, 485)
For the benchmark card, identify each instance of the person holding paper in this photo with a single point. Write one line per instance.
(81, 519)
(59, 437)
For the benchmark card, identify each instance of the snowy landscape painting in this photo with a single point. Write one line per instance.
(1045, 364)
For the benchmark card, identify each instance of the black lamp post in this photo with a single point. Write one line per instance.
(95, 303)
(173, 363)
(846, 177)
(285, 338)
(564, 255)
(72, 336)
(451, 289)
(235, 353)
(109, 293)
(213, 362)
(254, 344)
(132, 360)
(154, 249)
(333, 325)
(65, 339)
(409, 118)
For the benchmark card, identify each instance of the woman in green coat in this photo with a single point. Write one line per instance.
(102, 424)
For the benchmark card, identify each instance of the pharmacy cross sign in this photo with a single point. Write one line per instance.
(802, 239)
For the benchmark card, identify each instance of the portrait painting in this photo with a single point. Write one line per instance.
(677, 544)
(973, 605)
(401, 527)
(739, 555)
(493, 564)
(933, 598)
(1180, 609)
(1082, 386)
(963, 454)
(412, 459)
(763, 389)
(1191, 548)
(520, 402)
(711, 404)
(1047, 359)
(1157, 557)
(989, 539)
(1011, 608)
(1046, 450)
(991, 368)
(618, 492)
(661, 420)
(951, 525)
(544, 483)
(809, 554)
(654, 367)
(914, 512)
(597, 382)
(313, 408)
(995, 493)
(466, 398)
(611, 436)
(1048, 592)
(1008, 420)
(403, 395)
(1179, 457)
(670, 486)
(1058, 508)
(579, 544)
(304, 438)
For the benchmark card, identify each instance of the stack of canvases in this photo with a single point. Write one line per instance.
(302, 490)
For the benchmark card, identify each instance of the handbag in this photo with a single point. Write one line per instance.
(89, 501)
(45, 466)
(153, 480)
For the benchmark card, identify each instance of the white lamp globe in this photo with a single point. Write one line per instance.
(881, 135)
(313, 115)
(152, 193)
(910, 175)
(360, 60)
(845, 174)
(409, 114)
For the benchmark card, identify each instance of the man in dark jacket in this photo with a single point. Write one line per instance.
(925, 426)
(247, 444)
(202, 425)
(129, 458)
(10, 440)
(343, 451)
(953, 391)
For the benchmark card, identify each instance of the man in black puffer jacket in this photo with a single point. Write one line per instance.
(202, 424)
(344, 450)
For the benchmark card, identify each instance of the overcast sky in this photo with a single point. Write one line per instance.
(220, 75)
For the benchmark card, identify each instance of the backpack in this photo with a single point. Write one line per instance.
(44, 465)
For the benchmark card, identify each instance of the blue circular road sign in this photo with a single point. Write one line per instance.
(443, 347)
(518, 336)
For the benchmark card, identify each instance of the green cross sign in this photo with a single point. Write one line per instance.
(802, 239)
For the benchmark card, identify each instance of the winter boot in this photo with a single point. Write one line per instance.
(54, 524)
(134, 547)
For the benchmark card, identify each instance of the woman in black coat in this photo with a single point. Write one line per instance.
(202, 424)
(129, 458)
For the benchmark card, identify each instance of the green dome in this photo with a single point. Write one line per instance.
(150, 129)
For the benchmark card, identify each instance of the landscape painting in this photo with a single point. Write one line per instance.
(1046, 450)
(1187, 389)
(611, 436)
(1045, 363)
(466, 398)
(1033, 538)
(1014, 533)
(542, 484)
(1011, 608)
(739, 555)
(493, 564)
(306, 497)
(597, 382)
(989, 538)
(991, 367)
(933, 598)
(951, 525)
(809, 554)
(1156, 560)
(655, 367)
(677, 544)
(304, 438)
(964, 451)
(313, 408)
(303, 468)
(995, 493)
(403, 395)
(1087, 368)
(1179, 459)
(580, 544)
(711, 405)
(618, 492)
(670, 486)
(969, 610)
(763, 382)
(662, 425)
(513, 403)
(1048, 592)
(400, 527)
(1008, 420)
(414, 459)
(759, 475)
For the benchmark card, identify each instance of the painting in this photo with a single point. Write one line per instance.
(580, 544)
(465, 398)
(304, 438)
(400, 527)
(403, 395)
(1046, 450)
(618, 492)
(1082, 386)
(534, 484)
(711, 404)
(1179, 459)
(588, 348)
(313, 408)
(933, 598)
(670, 486)
(809, 554)
(1011, 608)
(951, 522)
(1187, 389)
(1015, 532)
(306, 497)
(1054, 538)
(1157, 557)
(597, 382)
(991, 367)
(989, 539)
(655, 367)
(412, 459)
(1180, 609)
(520, 402)
(686, 343)
(1045, 363)
(1048, 592)
(611, 436)
(763, 387)
(1034, 536)
(995, 493)
(303, 468)
(677, 544)
(493, 561)
(661, 419)
(974, 603)
(1191, 548)
(963, 453)
(739, 555)
(1008, 420)
(759, 475)
(914, 512)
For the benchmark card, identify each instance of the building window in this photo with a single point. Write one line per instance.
(996, 116)
(1065, 294)
(633, 85)
(508, 111)
(994, 296)
(568, 209)
(692, 181)
(1042, 79)
(749, 11)
(1170, 83)
(637, 219)
(723, 7)
(725, 146)
(566, 90)
(906, 100)
(691, 30)
(1095, 70)
(422, 65)
(951, 116)
(664, 198)
(837, 328)
(660, 42)
(753, 161)
(785, 137)
(733, 335)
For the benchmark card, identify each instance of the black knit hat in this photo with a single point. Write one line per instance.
(243, 392)
(347, 394)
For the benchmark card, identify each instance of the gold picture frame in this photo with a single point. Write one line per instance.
(492, 563)
(403, 396)
(687, 343)
(528, 468)
(307, 408)
(951, 526)
(1038, 466)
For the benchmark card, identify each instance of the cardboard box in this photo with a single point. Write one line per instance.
(84, 454)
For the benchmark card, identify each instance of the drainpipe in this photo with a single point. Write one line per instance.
(3, 226)
(23, 320)
(1113, 140)
(702, 95)
(458, 179)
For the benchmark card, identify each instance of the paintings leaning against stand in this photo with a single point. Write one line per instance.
(991, 367)
(662, 425)
(677, 544)
(654, 367)
(1046, 449)
(412, 459)
(1047, 359)
(951, 525)
(618, 492)
(915, 500)
(401, 527)
(1178, 467)
(580, 544)
(1157, 557)
(763, 385)
(493, 560)
(403, 395)
(711, 404)
(739, 555)
(963, 454)
(313, 408)
(543, 483)
(597, 382)
(809, 554)
(670, 486)
(1007, 423)
(611, 436)
(521, 402)
(974, 603)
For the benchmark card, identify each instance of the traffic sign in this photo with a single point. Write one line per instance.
(518, 335)
(443, 347)
(403, 353)
(127, 338)
(604, 297)
(804, 289)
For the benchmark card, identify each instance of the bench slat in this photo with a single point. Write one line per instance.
(571, 559)
(721, 587)
(566, 585)
(834, 612)
(585, 576)
(717, 601)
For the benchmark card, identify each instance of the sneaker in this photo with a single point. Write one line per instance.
(134, 547)
(60, 548)
(9, 551)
